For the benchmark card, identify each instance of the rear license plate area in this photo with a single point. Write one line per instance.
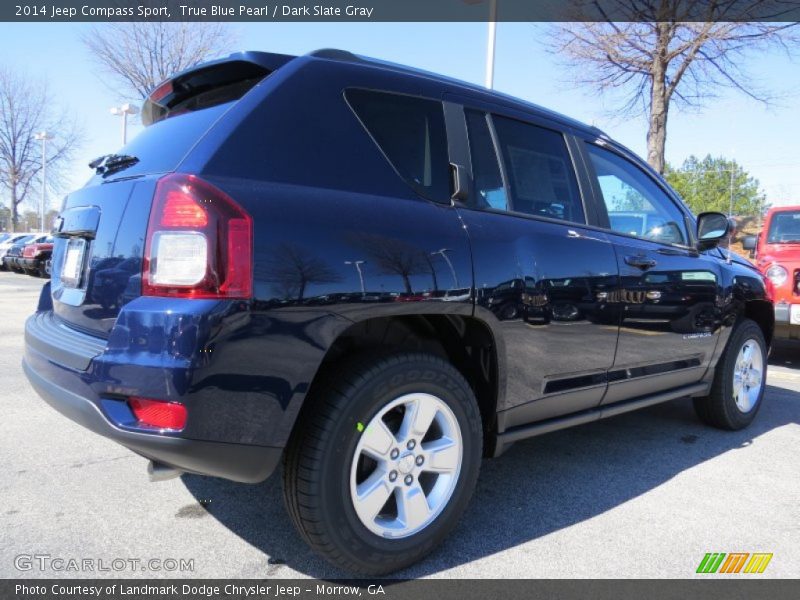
(72, 269)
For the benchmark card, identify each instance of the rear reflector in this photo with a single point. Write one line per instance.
(159, 413)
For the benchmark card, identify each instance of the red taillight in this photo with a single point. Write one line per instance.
(199, 242)
(182, 210)
(158, 413)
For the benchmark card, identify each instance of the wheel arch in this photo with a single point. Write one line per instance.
(465, 342)
(763, 313)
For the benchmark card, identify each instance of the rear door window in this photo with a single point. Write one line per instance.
(539, 170)
(488, 188)
(411, 134)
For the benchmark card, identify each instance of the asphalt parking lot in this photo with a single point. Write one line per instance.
(642, 495)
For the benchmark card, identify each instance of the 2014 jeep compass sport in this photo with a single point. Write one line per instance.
(378, 276)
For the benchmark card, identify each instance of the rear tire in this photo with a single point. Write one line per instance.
(383, 461)
(739, 380)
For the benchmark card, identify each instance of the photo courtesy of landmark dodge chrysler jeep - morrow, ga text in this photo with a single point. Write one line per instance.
(378, 276)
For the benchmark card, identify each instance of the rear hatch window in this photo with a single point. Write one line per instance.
(161, 147)
(180, 110)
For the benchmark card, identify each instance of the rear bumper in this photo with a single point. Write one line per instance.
(11, 262)
(238, 462)
(32, 264)
(56, 368)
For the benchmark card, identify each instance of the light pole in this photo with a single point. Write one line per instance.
(357, 264)
(123, 111)
(43, 136)
(443, 252)
(490, 44)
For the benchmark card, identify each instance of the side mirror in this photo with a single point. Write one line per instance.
(749, 242)
(712, 227)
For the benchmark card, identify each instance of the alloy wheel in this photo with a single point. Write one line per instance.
(406, 465)
(748, 375)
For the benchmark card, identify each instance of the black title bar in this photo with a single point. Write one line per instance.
(399, 10)
(734, 588)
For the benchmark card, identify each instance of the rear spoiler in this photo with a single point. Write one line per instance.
(209, 83)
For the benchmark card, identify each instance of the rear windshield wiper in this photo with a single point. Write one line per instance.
(111, 163)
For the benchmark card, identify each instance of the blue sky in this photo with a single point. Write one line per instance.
(762, 139)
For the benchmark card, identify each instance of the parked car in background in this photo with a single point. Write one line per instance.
(10, 240)
(14, 254)
(35, 256)
(14, 259)
(257, 277)
(776, 251)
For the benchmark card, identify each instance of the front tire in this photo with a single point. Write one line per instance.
(739, 380)
(384, 461)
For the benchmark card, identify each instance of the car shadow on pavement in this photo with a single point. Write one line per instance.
(785, 353)
(537, 487)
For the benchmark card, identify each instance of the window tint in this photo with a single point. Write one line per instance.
(539, 171)
(488, 190)
(635, 204)
(410, 132)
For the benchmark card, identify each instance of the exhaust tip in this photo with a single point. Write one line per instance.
(160, 472)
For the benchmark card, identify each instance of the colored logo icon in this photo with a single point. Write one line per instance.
(735, 562)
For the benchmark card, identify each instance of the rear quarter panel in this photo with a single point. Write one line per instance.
(323, 200)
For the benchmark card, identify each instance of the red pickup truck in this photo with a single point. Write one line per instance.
(776, 250)
(35, 256)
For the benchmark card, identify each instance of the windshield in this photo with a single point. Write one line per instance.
(784, 228)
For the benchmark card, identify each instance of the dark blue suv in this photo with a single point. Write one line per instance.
(379, 276)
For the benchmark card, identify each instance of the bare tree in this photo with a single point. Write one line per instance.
(393, 256)
(291, 268)
(657, 52)
(26, 108)
(138, 56)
